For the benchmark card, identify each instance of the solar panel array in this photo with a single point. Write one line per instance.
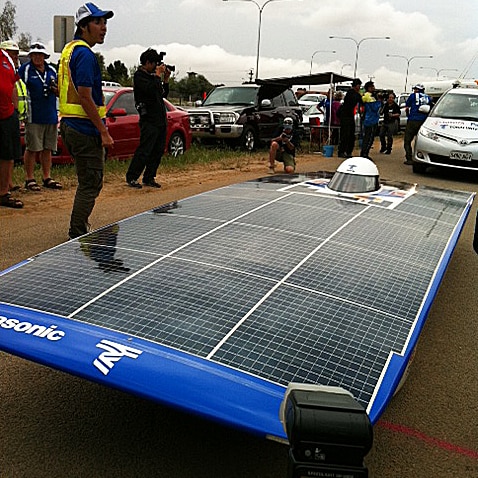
(280, 282)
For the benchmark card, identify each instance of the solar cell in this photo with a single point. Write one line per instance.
(264, 283)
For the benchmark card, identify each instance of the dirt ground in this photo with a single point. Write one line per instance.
(56, 425)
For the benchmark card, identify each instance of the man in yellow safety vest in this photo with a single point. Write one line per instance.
(83, 112)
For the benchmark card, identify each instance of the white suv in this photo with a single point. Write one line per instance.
(449, 136)
(310, 99)
(401, 99)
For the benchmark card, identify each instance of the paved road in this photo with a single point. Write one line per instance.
(55, 425)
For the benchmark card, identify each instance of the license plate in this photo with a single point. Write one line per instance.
(461, 155)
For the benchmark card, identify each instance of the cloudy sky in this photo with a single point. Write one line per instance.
(218, 38)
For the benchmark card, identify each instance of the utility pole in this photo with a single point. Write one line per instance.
(251, 74)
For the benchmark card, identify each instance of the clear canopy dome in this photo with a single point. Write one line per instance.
(355, 175)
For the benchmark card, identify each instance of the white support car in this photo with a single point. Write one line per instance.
(449, 136)
(310, 99)
(401, 100)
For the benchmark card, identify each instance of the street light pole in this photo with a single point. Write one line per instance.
(318, 51)
(260, 8)
(437, 71)
(408, 60)
(343, 66)
(312, 57)
(357, 44)
(445, 69)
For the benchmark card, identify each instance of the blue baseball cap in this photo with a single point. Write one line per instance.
(91, 10)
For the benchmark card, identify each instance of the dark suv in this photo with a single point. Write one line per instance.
(244, 115)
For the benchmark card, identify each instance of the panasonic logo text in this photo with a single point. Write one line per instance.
(113, 352)
(49, 333)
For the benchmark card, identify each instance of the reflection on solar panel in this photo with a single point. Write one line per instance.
(216, 303)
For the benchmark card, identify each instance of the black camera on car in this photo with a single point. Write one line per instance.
(162, 54)
(329, 432)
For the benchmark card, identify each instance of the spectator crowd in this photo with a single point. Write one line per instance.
(32, 92)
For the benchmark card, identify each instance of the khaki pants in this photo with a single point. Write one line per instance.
(89, 156)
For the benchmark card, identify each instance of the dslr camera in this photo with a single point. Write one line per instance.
(52, 87)
(162, 54)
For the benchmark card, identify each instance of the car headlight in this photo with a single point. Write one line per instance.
(227, 118)
(429, 133)
(199, 120)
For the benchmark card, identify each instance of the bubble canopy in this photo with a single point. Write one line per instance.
(356, 175)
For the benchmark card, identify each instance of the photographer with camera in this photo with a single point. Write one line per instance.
(283, 147)
(150, 84)
(41, 127)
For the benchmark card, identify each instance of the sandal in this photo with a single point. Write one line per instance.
(51, 184)
(32, 185)
(7, 201)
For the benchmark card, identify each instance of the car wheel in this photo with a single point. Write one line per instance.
(419, 168)
(248, 139)
(176, 145)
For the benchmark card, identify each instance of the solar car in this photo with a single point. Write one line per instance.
(237, 324)
(449, 136)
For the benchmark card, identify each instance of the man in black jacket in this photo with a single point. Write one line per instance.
(149, 91)
(391, 118)
(347, 119)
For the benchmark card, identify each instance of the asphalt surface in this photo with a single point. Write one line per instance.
(56, 425)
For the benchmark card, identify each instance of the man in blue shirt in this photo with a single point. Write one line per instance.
(83, 112)
(41, 127)
(416, 107)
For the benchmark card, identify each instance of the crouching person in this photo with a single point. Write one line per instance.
(283, 147)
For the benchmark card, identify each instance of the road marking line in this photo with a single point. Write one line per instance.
(427, 439)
